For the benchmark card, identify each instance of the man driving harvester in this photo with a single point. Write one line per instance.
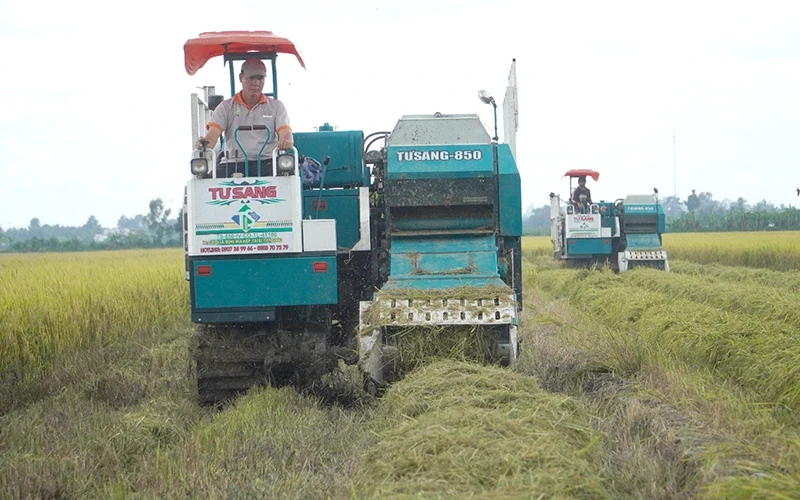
(581, 196)
(249, 108)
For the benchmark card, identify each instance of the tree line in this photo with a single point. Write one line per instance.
(699, 212)
(154, 229)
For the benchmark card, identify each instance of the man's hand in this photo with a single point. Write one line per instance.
(285, 139)
(211, 138)
(285, 143)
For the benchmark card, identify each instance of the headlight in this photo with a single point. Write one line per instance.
(199, 166)
(285, 165)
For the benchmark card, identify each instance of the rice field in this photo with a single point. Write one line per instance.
(776, 250)
(639, 385)
(52, 304)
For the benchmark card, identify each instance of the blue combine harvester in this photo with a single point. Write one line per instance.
(289, 273)
(624, 234)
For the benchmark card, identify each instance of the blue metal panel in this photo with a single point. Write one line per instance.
(436, 162)
(444, 283)
(651, 208)
(339, 204)
(588, 246)
(642, 241)
(466, 223)
(510, 196)
(346, 168)
(640, 208)
(264, 282)
(432, 244)
(607, 214)
(443, 262)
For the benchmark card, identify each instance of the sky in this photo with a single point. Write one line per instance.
(678, 95)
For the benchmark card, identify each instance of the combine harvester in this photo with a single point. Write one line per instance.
(289, 275)
(625, 233)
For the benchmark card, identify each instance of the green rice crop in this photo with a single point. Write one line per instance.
(778, 250)
(51, 304)
(774, 250)
(536, 246)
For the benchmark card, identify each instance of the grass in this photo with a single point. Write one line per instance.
(674, 428)
(91, 441)
(640, 385)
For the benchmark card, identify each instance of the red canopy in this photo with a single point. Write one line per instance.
(197, 51)
(583, 173)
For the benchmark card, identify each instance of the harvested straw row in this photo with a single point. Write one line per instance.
(742, 297)
(782, 280)
(454, 429)
(761, 481)
(419, 346)
(636, 325)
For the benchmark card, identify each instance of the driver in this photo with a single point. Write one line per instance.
(581, 196)
(249, 107)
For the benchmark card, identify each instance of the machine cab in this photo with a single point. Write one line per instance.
(580, 203)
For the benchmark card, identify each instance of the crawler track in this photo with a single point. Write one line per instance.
(229, 360)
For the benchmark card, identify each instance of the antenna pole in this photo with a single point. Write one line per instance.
(674, 170)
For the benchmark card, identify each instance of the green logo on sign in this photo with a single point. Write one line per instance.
(246, 218)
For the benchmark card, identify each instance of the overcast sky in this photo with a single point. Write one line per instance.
(96, 116)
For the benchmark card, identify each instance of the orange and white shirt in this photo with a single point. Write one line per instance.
(232, 113)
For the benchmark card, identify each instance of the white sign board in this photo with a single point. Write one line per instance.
(511, 110)
(249, 215)
(583, 225)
